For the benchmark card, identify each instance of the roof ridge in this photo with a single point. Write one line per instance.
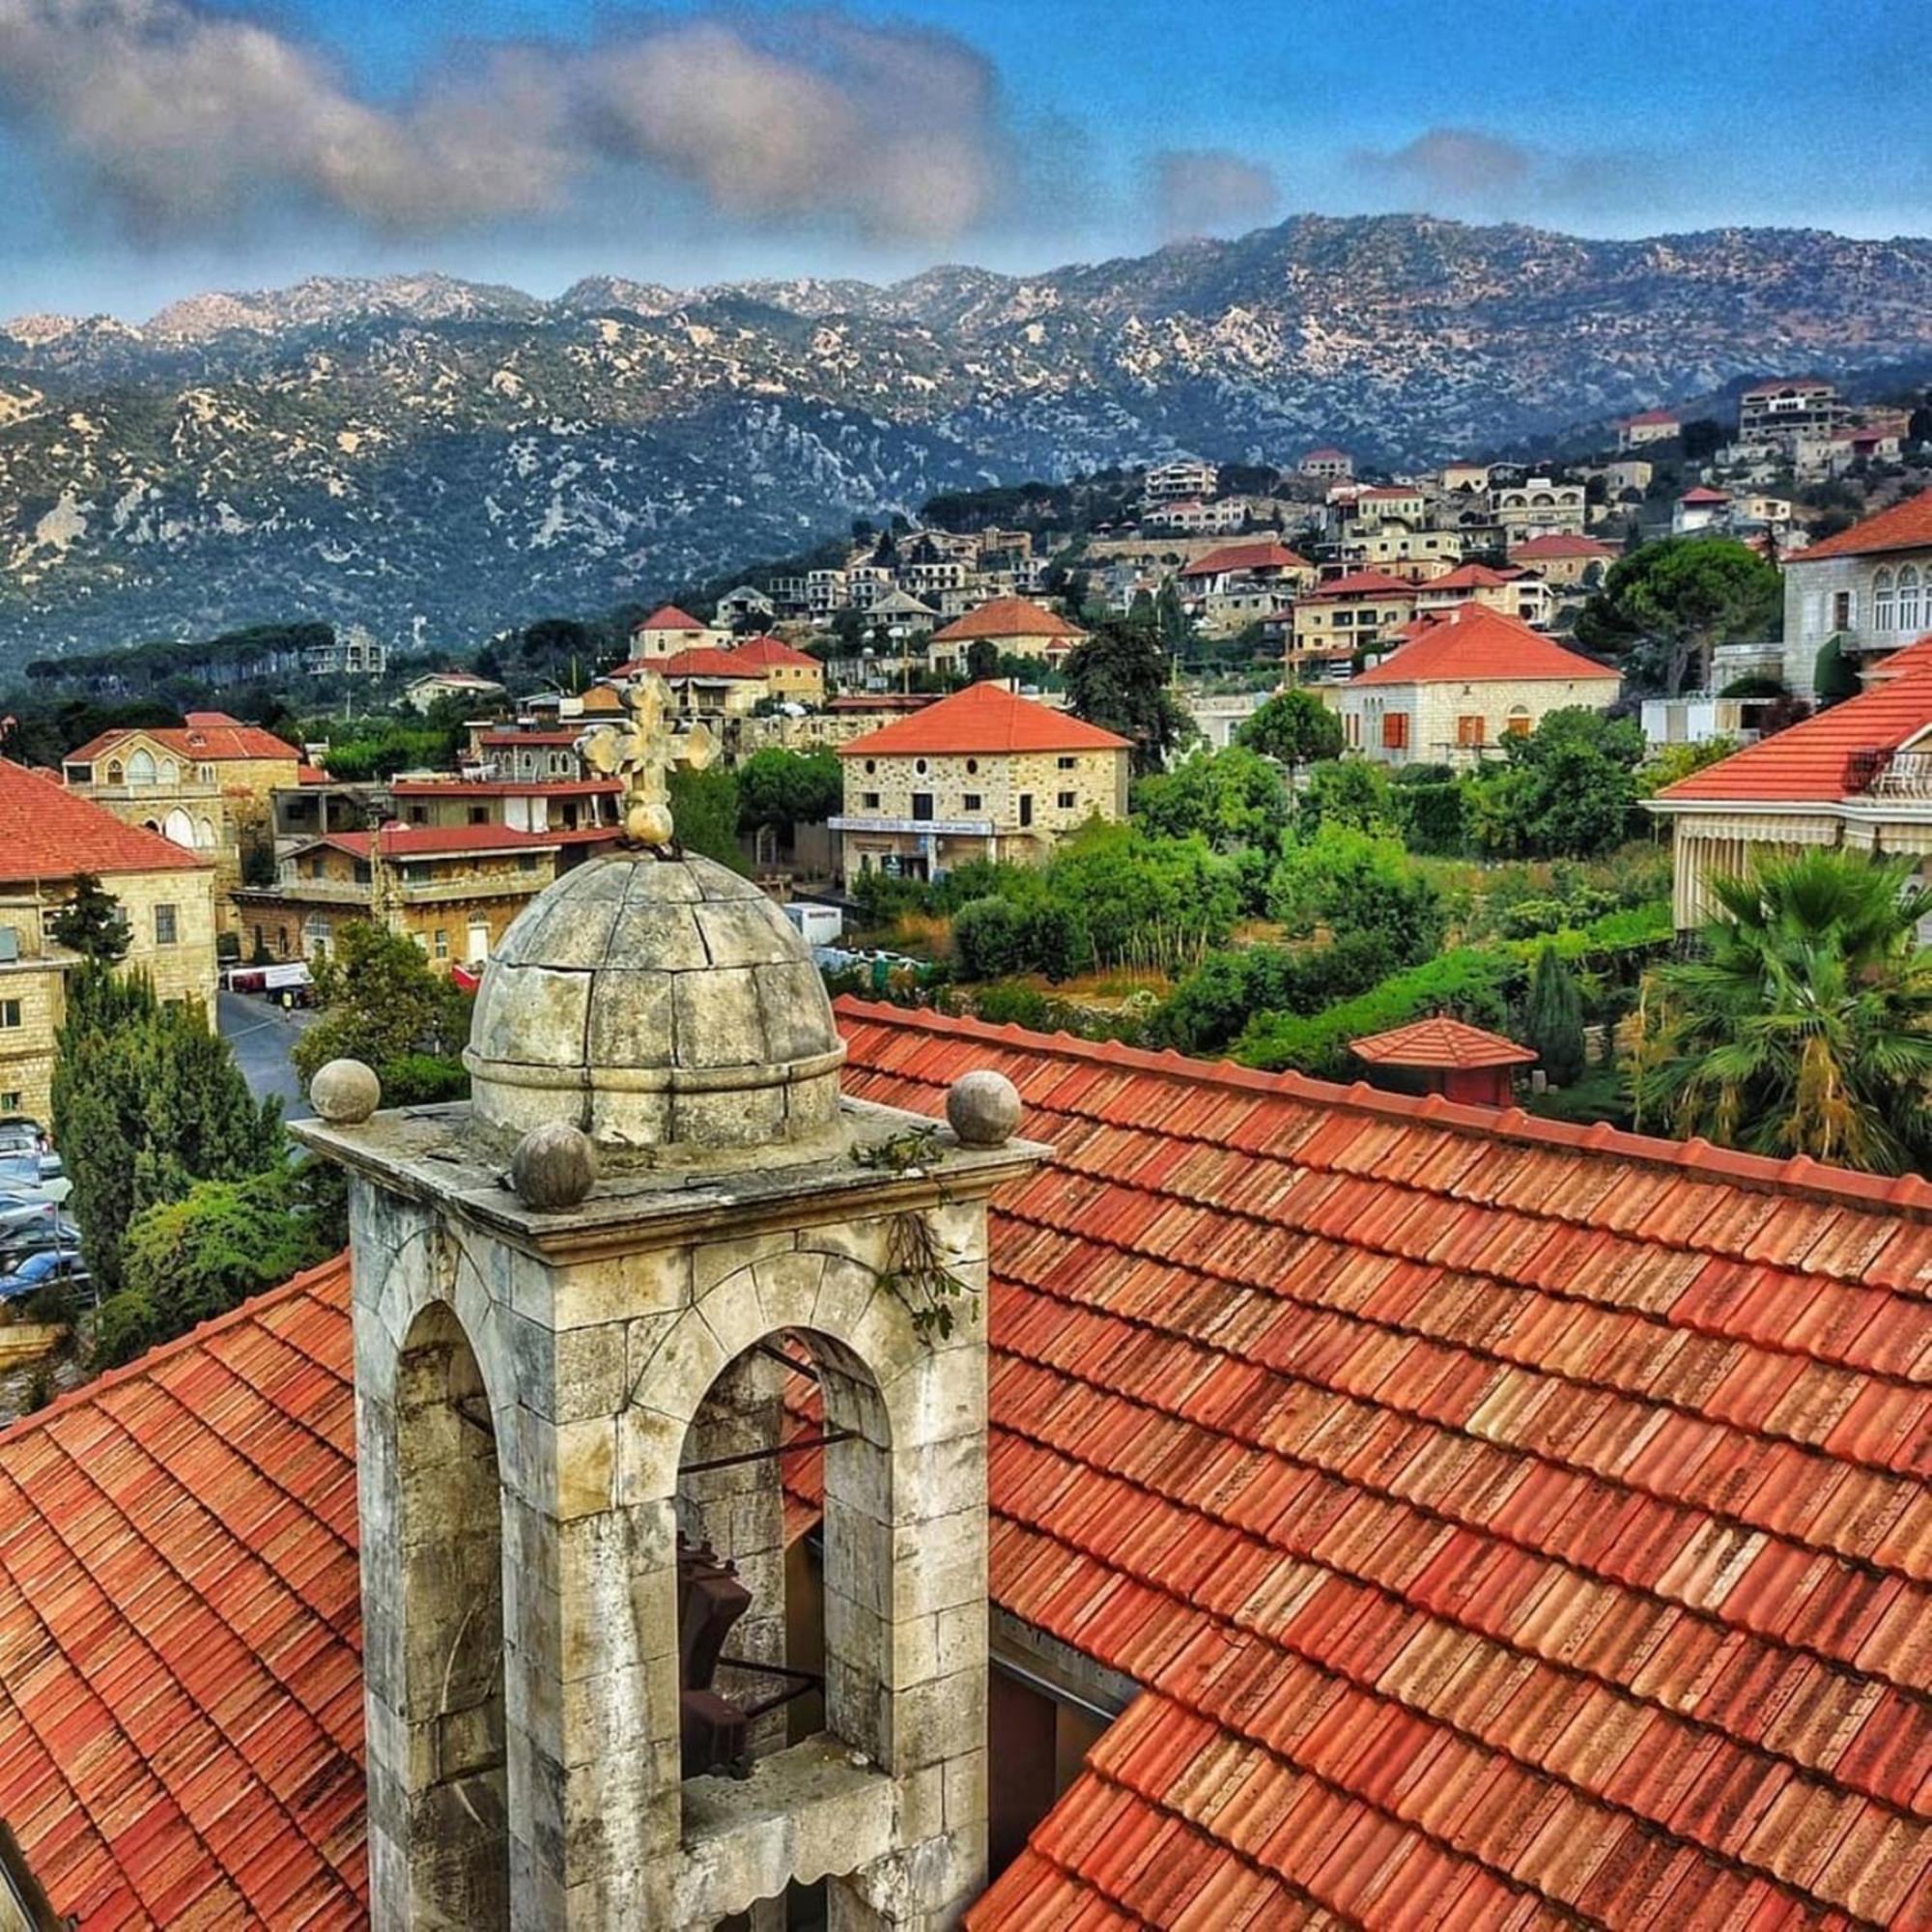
(84, 1393)
(1907, 1194)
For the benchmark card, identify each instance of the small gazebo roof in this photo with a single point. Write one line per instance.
(1440, 1042)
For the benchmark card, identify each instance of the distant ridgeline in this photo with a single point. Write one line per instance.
(258, 654)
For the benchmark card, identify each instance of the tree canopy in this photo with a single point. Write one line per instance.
(384, 1004)
(1565, 790)
(1806, 1027)
(1117, 678)
(94, 923)
(1293, 726)
(781, 789)
(1668, 605)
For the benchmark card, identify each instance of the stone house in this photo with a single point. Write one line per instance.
(455, 890)
(1327, 464)
(1384, 503)
(1701, 511)
(581, 814)
(1538, 508)
(1566, 562)
(1179, 478)
(207, 785)
(1397, 551)
(984, 774)
(49, 835)
(1455, 689)
(1338, 619)
(1518, 593)
(1015, 627)
(1870, 586)
(526, 751)
(1646, 427)
(667, 630)
(467, 687)
(1858, 774)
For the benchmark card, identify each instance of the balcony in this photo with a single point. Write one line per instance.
(1879, 772)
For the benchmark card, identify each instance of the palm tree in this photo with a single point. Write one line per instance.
(1805, 1024)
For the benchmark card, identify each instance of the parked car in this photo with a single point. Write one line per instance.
(34, 1233)
(60, 1269)
(20, 1135)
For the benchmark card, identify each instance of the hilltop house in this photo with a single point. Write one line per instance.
(1538, 508)
(1340, 619)
(667, 631)
(1327, 464)
(1869, 587)
(984, 774)
(1455, 689)
(1516, 593)
(1646, 427)
(1566, 562)
(467, 687)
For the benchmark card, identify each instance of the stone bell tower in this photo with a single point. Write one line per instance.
(655, 1219)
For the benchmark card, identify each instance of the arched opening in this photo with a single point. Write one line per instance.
(802, 1646)
(141, 768)
(451, 1537)
(179, 827)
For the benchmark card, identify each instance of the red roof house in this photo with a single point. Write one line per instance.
(1454, 1059)
(49, 835)
(1475, 645)
(983, 718)
(1905, 526)
(1503, 1523)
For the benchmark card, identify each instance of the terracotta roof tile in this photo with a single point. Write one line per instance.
(1475, 645)
(984, 717)
(1440, 1041)
(1264, 555)
(1009, 617)
(1449, 1534)
(180, 1702)
(1905, 526)
(209, 737)
(49, 833)
(667, 618)
(1809, 762)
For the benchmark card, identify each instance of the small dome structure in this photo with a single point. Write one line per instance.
(666, 1007)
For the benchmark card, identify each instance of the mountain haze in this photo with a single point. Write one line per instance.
(418, 448)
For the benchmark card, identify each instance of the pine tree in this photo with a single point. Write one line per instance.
(147, 1101)
(93, 923)
(1553, 1019)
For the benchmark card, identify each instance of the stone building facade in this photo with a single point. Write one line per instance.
(1869, 587)
(534, 1386)
(982, 774)
(454, 890)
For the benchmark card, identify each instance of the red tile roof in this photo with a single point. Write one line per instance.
(1327, 453)
(985, 717)
(1906, 526)
(1009, 617)
(210, 737)
(1648, 417)
(1508, 1522)
(1383, 493)
(1561, 546)
(1266, 555)
(1700, 494)
(1806, 764)
(1474, 644)
(769, 651)
(434, 841)
(667, 618)
(181, 1669)
(1359, 583)
(709, 663)
(51, 834)
(1440, 1041)
(1471, 577)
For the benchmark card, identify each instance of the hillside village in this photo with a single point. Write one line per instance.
(1283, 882)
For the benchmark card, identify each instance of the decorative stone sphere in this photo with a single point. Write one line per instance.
(345, 1092)
(667, 1008)
(552, 1167)
(983, 1108)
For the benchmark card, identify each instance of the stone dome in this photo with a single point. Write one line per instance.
(664, 1006)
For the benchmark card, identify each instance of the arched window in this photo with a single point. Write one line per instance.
(170, 772)
(1884, 610)
(179, 827)
(141, 768)
(1907, 597)
(203, 834)
(116, 772)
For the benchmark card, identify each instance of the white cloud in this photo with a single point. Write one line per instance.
(178, 118)
(1208, 190)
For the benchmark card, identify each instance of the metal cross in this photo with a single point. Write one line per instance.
(642, 752)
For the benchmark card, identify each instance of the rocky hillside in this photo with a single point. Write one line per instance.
(421, 448)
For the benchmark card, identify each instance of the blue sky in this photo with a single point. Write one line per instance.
(182, 145)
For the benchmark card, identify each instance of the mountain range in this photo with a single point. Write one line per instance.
(438, 458)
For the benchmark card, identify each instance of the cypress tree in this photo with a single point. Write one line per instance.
(1553, 1019)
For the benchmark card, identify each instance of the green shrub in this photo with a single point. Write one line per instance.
(422, 1080)
(989, 939)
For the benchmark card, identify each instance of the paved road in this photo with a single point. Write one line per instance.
(262, 1035)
